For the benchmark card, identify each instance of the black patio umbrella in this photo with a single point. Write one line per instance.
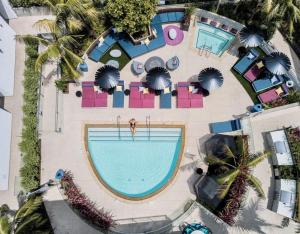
(277, 63)
(107, 77)
(158, 78)
(249, 37)
(210, 79)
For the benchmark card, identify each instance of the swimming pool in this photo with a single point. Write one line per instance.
(135, 167)
(213, 39)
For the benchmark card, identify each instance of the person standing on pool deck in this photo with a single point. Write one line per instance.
(132, 124)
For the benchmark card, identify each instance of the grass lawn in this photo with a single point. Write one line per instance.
(247, 86)
(123, 59)
(262, 54)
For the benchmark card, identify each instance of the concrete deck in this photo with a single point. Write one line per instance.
(65, 149)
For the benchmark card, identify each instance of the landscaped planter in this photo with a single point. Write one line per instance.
(149, 35)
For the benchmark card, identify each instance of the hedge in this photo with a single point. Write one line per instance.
(30, 144)
(25, 3)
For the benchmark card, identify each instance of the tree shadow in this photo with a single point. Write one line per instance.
(249, 220)
(210, 220)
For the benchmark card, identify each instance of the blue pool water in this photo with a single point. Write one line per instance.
(135, 167)
(213, 39)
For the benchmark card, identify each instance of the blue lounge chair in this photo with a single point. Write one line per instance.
(244, 63)
(164, 17)
(165, 100)
(172, 16)
(179, 16)
(226, 126)
(95, 54)
(118, 97)
(268, 82)
(156, 20)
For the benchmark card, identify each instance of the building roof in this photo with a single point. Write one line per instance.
(6, 11)
(5, 139)
(282, 154)
(7, 58)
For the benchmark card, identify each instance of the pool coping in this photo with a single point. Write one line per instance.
(111, 190)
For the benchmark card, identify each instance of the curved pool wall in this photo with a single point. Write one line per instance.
(138, 167)
(213, 39)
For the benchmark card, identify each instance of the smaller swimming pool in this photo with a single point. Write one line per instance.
(213, 39)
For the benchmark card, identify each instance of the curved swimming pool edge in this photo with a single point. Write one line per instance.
(103, 183)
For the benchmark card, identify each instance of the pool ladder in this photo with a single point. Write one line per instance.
(148, 124)
(119, 126)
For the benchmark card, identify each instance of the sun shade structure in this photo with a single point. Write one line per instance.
(158, 78)
(210, 79)
(250, 38)
(107, 77)
(277, 63)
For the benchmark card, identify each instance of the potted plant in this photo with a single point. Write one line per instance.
(187, 18)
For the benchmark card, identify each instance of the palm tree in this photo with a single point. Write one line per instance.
(58, 48)
(237, 165)
(74, 15)
(287, 10)
(4, 225)
(31, 217)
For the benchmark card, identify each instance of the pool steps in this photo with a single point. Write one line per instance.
(156, 134)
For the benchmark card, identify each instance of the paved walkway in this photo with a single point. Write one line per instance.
(21, 25)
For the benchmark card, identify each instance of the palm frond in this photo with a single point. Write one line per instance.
(267, 5)
(232, 174)
(32, 38)
(72, 56)
(72, 72)
(4, 225)
(257, 159)
(211, 159)
(225, 188)
(49, 25)
(67, 41)
(74, 25)
(256, 185)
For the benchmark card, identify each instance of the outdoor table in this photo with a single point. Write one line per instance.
(115, 53)
(113, 63)
(257, 108)
(83, 67)
(154, 61)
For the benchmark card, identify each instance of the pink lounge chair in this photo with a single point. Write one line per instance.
(135, 97)
(183, 103)
(253, 73)
(101, 100)
(196, 103)
(87, 102)
(148, 100)
(148, 103)
(273, 94)
(135, 103)
(234, 31)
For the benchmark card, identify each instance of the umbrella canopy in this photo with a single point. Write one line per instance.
(250, 38)
(158, 78)
(277, 63)
(210, 79)
(107, 77)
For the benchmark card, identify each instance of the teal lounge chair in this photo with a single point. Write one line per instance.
(226, 126)
(165, 100)
(118, 96)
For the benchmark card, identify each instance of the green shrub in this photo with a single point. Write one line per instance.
(29, 145)
(25, 3)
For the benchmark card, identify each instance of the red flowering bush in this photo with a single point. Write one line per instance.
(86, 208)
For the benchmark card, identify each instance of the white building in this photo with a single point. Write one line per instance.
(7, 50)
(7, 77)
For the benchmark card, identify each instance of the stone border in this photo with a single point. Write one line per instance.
(87, 126)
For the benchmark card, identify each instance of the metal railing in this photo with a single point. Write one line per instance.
(119, 126)
(148, 124)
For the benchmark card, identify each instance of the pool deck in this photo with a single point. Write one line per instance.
(65, 149)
